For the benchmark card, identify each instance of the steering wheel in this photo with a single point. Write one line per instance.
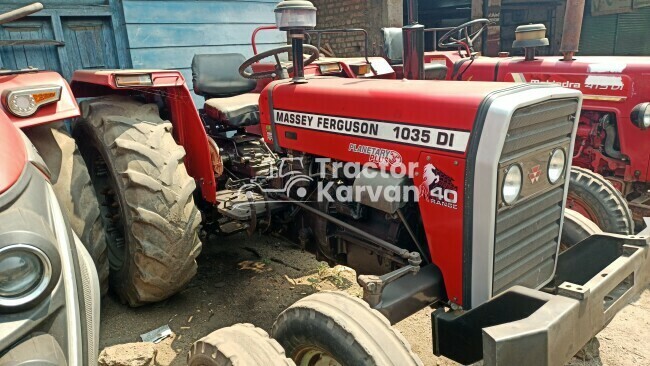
(280, 69)
(465, 41)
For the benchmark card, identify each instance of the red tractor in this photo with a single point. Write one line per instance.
(49, 289)
(613, 130)
(449, 195)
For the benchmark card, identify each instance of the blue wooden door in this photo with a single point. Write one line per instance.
(22, 56)
(90, 43)
(82, 35)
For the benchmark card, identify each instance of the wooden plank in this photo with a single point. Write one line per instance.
(154, 35)
(181, 57)
(120, 36)
(193, 12)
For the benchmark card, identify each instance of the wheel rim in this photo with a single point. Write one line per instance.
(585, 210)
(314, 356)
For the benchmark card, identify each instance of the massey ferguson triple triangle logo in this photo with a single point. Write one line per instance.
(535, 173)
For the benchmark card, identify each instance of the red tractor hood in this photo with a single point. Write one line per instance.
(13, 155)
(410, 102)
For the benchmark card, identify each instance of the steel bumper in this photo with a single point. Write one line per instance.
(594, 280)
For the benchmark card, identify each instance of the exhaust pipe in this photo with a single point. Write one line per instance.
(413, 41)
(573, 14)
(20, 13)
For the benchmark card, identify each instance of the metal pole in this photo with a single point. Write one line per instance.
(571, 29)
(296, 54)
(413, 43)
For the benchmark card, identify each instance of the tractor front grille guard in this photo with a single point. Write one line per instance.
(527, 232)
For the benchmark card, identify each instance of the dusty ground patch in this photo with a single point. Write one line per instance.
(251, 280)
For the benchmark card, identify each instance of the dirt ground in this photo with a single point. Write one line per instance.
(251, 280)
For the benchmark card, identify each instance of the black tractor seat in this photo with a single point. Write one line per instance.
(238, 111)
(228, 98)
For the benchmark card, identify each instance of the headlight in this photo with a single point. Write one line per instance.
(640, 115)
(26, 101)
(556, 164)
(512, 184)
(25, 272)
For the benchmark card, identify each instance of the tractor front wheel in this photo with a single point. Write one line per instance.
(576, 228)
(145, 194)
(240, 344)
(332, 328)
(596, 199)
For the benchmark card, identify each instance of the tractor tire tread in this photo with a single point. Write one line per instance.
(593, 188)
(157, 193)
(238, 345)
(363, 329)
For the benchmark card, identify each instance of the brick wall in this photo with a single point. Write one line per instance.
(370, 15)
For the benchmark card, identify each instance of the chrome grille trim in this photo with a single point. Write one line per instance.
(526, 235)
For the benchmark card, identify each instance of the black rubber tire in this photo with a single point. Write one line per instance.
(237, 345)
(146, 195)
(345, 328)
(74, 191)
(609, 207)
(576, 228)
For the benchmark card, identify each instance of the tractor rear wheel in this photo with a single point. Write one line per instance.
(576, 228)
(146, 195)
(240, 344)
(595, 198)
(73, 190)
(333, 328)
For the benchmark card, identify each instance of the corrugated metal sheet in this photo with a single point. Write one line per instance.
(625, 34)
(598, 35)
(167, 34)
(633, 33)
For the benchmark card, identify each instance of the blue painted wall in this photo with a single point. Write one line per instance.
(168, 33)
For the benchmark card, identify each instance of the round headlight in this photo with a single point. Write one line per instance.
(640, 115)
(556, 165)
(25, 272)
(512, 184)
(22, 105)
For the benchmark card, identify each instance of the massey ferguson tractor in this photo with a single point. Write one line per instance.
(443, 194)
(49, 288)
(612, 137)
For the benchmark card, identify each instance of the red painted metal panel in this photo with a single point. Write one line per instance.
(13, 155)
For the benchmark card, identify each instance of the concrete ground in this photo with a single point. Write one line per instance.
(251, 280)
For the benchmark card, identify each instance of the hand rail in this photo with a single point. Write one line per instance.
(20, 12)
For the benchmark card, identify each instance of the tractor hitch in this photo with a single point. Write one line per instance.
(403, 292)
(594, 280)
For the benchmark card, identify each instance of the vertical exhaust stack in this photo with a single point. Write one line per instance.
(413, 41)
(571, 29)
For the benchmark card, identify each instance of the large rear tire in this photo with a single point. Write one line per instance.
(576, 228)
(146, 195)
(334, 328)
(74, 191)
(595, 198)
(237, 345)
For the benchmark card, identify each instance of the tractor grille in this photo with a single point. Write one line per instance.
(527, 233)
